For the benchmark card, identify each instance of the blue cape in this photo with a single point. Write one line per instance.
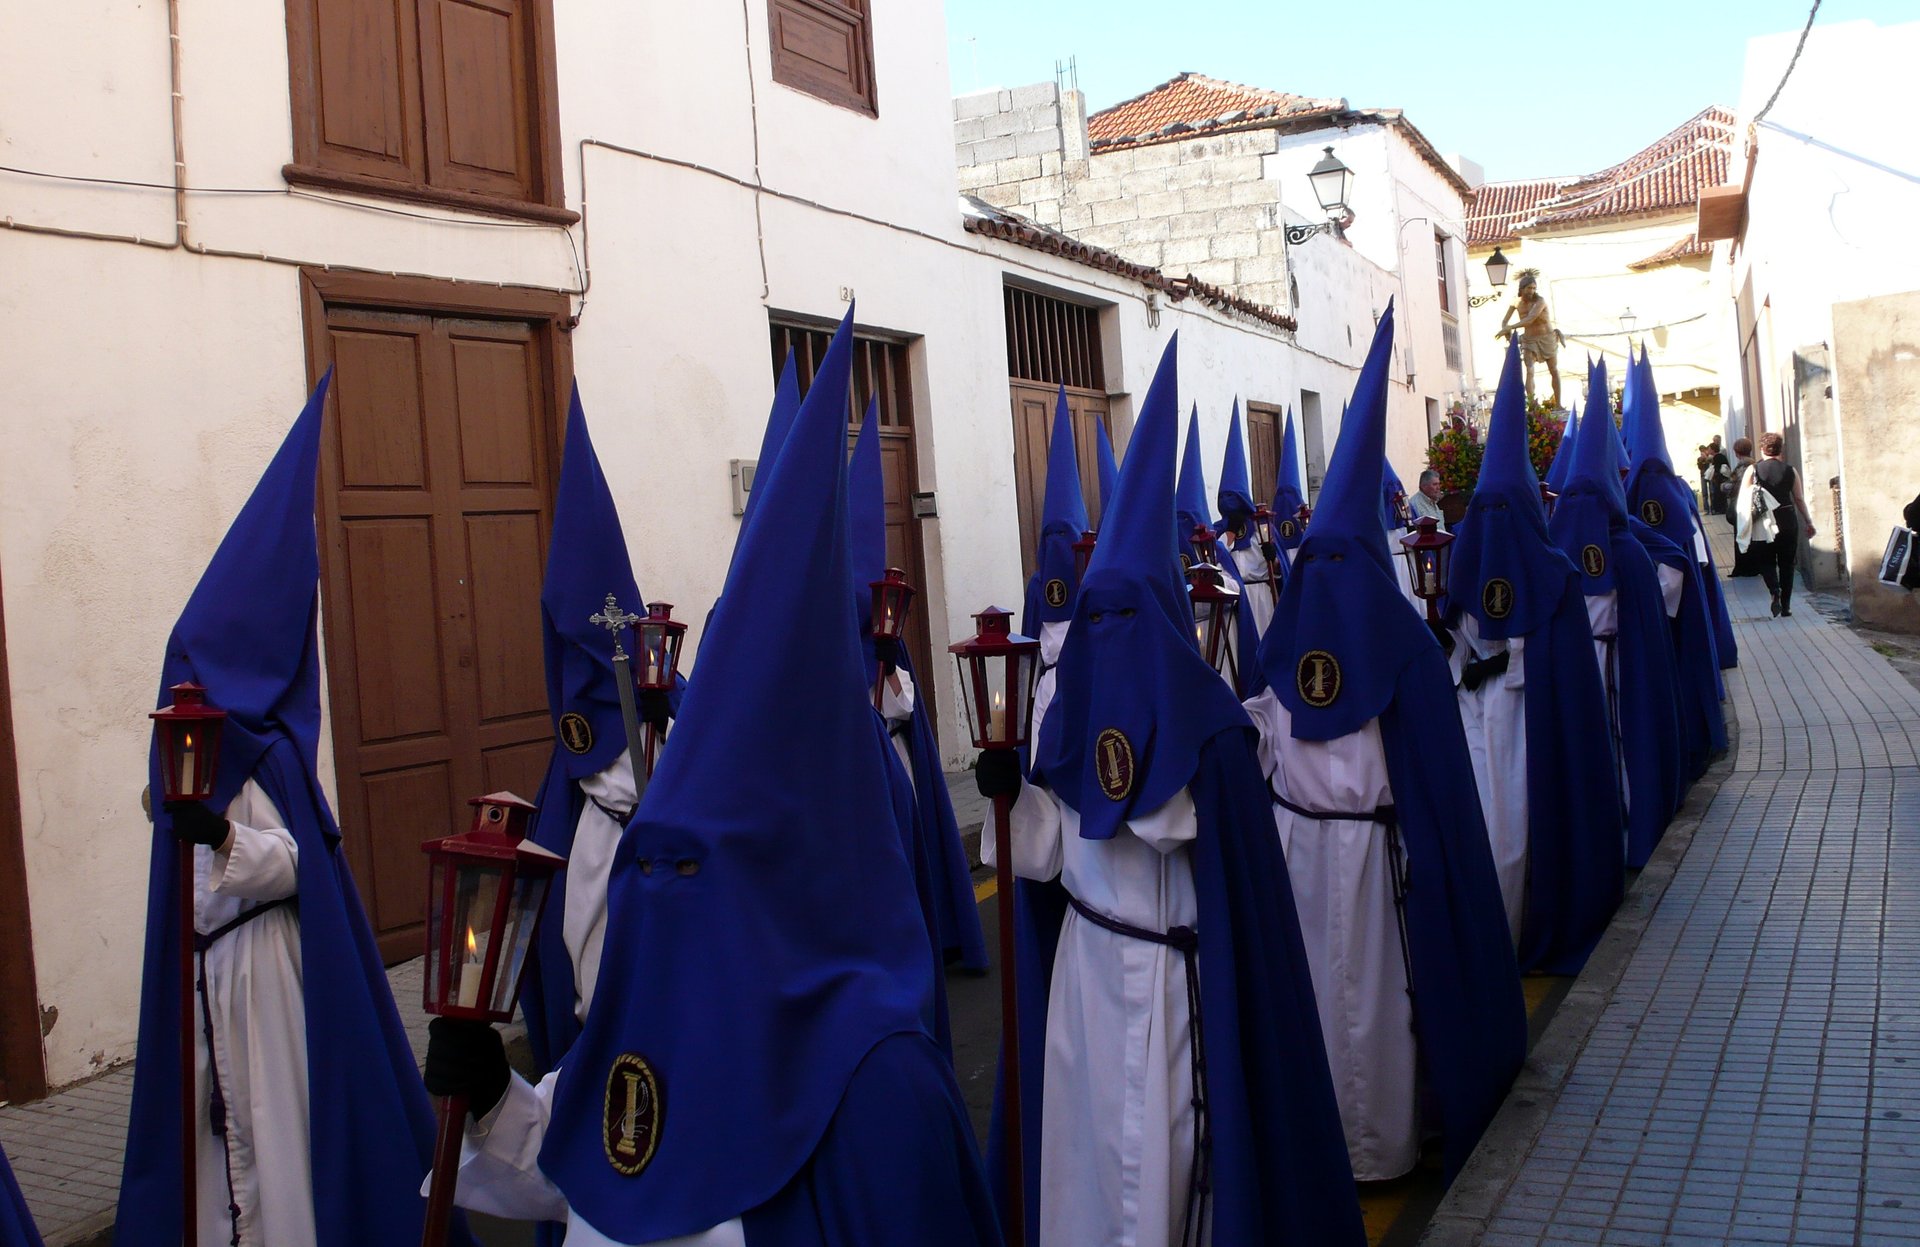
(1703, 722)
(1063, 519)
(785, 1027)
(1345, 648)
(16, 1223)
(1515, 583)
(1288, 494)
(1279, 1162)
(586, 559)
(945, 880)
(248, 635)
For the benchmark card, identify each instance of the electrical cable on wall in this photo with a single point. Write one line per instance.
(1798, 48)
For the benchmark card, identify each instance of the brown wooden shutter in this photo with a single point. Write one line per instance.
(825, 48)
(476, 85)
(1263, 449)
(355, 74)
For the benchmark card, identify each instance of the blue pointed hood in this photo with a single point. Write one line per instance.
(1235, 495)
(1134, 701)
(1104, 461)
(586, 560)
(1063, 519)
(261, 664)
(1647, 438)
(1563, 454)
(867, 508)
(1343, 632)
(1504, 571)
(786, 405)
(1289, 493)
(1592, 504)
(749, 1077)
(1389, 486)
(1190, 500)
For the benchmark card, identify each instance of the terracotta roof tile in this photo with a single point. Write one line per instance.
(1688, 248)
(1667, 175)
(1195, 102)
(980, 217)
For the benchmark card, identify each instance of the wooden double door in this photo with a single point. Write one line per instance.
(1033, 408)
(436, 498)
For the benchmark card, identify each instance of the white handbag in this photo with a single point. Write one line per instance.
(1898, 562)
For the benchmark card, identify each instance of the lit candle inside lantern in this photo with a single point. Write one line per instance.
(997, 721)
(187, 751)
(470, 974)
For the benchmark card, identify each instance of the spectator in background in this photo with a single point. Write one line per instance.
(1777, 557)
(1426, 501)
(1742, 460)
(1704, 461)
(1912, 517)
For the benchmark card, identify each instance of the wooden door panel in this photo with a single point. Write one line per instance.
(493, 388)
(1032, 425)
(368, 111)
(519, 768)
(377, 395)
(396, 635)
(475, 84)
(1089, 411)
(896, 468)
(1263, 449)
(403, 808)
(504, 554)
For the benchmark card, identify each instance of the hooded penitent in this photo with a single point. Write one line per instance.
(1562, 455)
(1063, 520)
(1288, 494)
(1191, 511)
(586, 560)
(1631, 631)
(1522, 594)
(780, 1029)
(1667, 504)
(16, 1223)
(1235, 495)
(1104, 462)
(1130, 679)
(934, 846)
(248, 635)
(1345, 649)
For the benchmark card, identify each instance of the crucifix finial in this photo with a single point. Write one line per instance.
(614, 620)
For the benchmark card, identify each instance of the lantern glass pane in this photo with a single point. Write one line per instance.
(972, 687)
(1019, 672)
(655, 666)
(475, 893)
(529, 894)
(435, 990)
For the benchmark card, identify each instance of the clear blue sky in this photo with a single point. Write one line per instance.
(1569, 89)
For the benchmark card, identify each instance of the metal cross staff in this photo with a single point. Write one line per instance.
(615, 620)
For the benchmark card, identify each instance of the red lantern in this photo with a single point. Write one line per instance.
(892, 597)
(1082, 555)
(188, 736)
(1263, 533)
(1215, 620)
(1547, 499)
(660, 636)
(1401, 514)
(1206, 547)
(996, 677)
(1427, 565)
(1303, 515)
(485, 891)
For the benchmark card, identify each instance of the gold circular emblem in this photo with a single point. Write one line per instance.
(1056, 592)
(1594, 560)
(633, 1114)
(1113, 763)
(1318, 678)
(1287, 529)
(575, 732)
(1653, 513)
(1186, 563)
(1497, 597)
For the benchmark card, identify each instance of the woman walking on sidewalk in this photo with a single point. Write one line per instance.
(1773, 484)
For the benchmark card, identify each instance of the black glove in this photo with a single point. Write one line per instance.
(467, 1057)
(655, 708)
(1269, 552)
(887, 650)
(998, 773)
(194, 823)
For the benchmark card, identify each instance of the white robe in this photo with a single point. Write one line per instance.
(258, 1013)
(1343, 891)
(1495, 718)
(897, 697)
(1252, 566)
(500, 1173)
(1117, 1127)
(596, 840)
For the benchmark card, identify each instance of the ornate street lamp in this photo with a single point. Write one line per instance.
(1628, 320)
(1427, 558)
(997, 669)
(1332, 184)
(186, 735)
(892, 597)
(1498, 266)
(485, 891)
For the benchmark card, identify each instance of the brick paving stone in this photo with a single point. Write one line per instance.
(1757, 1067)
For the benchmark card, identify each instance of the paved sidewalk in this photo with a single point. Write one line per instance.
(1754, 1076)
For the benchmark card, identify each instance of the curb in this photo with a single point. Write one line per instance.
(1476, 1195)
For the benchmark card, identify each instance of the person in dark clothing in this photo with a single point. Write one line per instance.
(1912, 518)
(1790, 517)
(1746, 559)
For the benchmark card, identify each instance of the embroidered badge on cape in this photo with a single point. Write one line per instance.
(633, 1113)
(1056, 591)
(1593, 560)
(575, 732)
(1287, 529)
(1653, 513)
(1318, 678)
(1497, 598)
(1113, 763)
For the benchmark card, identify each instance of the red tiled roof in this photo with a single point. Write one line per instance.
(1193, 102)
(991, 222)
(1666, 176)
(1688, 248)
